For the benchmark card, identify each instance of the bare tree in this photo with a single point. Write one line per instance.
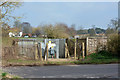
(113, 26)
(36, 30)
(58, 30)
(6, 8)
(72, 31)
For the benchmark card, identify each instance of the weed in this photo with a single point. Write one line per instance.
(4, 74)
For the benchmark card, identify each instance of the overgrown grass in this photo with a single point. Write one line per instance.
(97, 61)
(113, 43)
(102, 57)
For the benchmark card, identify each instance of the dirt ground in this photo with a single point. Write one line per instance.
(61, 59)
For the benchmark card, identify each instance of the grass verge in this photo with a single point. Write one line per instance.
(7, 76)
(102, 57)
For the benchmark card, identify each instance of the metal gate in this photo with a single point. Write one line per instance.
(27, 47)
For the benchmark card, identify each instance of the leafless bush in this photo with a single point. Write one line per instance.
(10, 52)
(114, 43)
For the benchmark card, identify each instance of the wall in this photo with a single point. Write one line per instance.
(26, 48)
(10, 52)
(92, 44)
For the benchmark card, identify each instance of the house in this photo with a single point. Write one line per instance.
(43, 36)
(26, 35)
(76, 36)
(100, 34)
(81, 36)
(19, 34)
(15, 32)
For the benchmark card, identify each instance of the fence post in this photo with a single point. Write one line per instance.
(47, 51)
(36, 51)
(40, 53)
(83, 50)
(75, 50)
(66, 51)
(87, 46)
(79, 54)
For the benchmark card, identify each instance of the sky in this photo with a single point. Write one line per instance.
(83, 14)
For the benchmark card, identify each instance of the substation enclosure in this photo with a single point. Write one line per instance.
(56, 47)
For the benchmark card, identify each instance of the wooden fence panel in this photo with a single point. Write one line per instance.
(10, 52)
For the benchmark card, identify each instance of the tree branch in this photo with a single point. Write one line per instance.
(3, 3)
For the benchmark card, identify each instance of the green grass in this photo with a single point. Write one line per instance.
(102, 57)
(85, 61)
(97, 61)
(3, 76)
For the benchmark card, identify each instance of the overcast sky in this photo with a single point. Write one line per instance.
(79, 13)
